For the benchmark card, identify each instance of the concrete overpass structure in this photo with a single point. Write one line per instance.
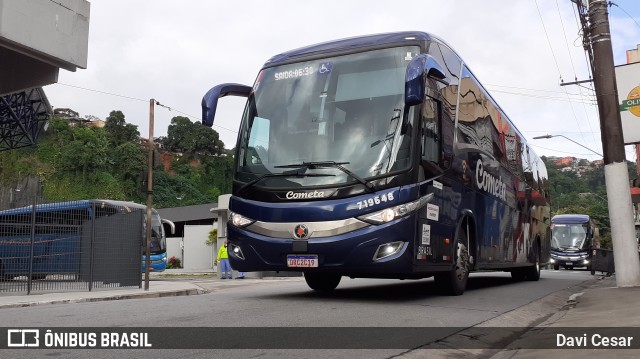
(37, 39)
(40, 37)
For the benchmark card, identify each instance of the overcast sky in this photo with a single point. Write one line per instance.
(174, 51)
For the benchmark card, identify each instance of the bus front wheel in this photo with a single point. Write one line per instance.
(454, 282)
(532, 273)
(324, 282)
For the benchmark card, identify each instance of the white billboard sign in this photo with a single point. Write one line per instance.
(628, 79)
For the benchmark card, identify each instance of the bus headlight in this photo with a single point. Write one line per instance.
(238, 220)
(391, 213)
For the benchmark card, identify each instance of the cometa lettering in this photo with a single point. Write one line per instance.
(490, 183)
(304, 195)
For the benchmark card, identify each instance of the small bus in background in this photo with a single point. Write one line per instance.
(572, 237)
(56, 231)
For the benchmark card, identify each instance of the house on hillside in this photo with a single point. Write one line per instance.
(565, 162)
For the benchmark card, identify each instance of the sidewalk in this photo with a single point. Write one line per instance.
(157, 288)
(603, 309)
(595, 307)
(170, 283)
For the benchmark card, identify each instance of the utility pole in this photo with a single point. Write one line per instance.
(625, 250)
(147, 253)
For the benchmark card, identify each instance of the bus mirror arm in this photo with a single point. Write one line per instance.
(170, 224)
(420, 67)
(210, 99)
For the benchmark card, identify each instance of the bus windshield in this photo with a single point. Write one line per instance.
(346, 109)
(569, 236)
(158, 240)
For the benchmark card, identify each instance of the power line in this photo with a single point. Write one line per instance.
(537, 90)
(559, 132)
(565, 152)
(192, 117)
(102, 92)
(611, 3)
(548, 40)
(566, 42)
(572, 65)
(558, 68)
(143, 100)
(582, 101)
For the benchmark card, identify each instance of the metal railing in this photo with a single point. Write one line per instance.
(70, 245)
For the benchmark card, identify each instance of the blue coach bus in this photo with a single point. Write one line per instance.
(381, 156)
(56, 231)
(573, 237)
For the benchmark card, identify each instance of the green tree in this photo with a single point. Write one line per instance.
(86, 152)
(129, 163)
(188, 137)
(179, 134)
(119, 131)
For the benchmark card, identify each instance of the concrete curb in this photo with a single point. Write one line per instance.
(180, 285)
(109, 297)
(501, 330)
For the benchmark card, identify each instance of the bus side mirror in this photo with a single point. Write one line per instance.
(170, 225)
(210, 99)
(414, 86)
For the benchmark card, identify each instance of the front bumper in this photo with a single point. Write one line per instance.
(570, 261)
(350, 254)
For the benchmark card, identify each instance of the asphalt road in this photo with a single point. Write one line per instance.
(490, 298)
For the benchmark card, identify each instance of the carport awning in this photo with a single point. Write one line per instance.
(22, 116)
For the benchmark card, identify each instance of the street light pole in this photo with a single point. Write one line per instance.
(579, 144)
(147, 253)
(625, 248)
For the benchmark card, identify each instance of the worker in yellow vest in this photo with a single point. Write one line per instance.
(223, 261)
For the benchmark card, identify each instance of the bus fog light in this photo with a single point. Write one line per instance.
(237, 252)
(387, 249)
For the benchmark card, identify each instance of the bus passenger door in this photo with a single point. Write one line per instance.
(436, 135)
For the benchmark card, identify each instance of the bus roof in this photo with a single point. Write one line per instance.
(570, 218)
(69, 205)
(351, 43)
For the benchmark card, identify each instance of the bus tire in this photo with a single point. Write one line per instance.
(532, 273)
(556, 266)
(454, 282)
(323, 282)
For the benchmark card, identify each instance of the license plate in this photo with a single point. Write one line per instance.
(569, 263)
(302, 261)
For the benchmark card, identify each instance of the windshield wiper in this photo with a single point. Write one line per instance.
(331, 164)
(283, 174)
